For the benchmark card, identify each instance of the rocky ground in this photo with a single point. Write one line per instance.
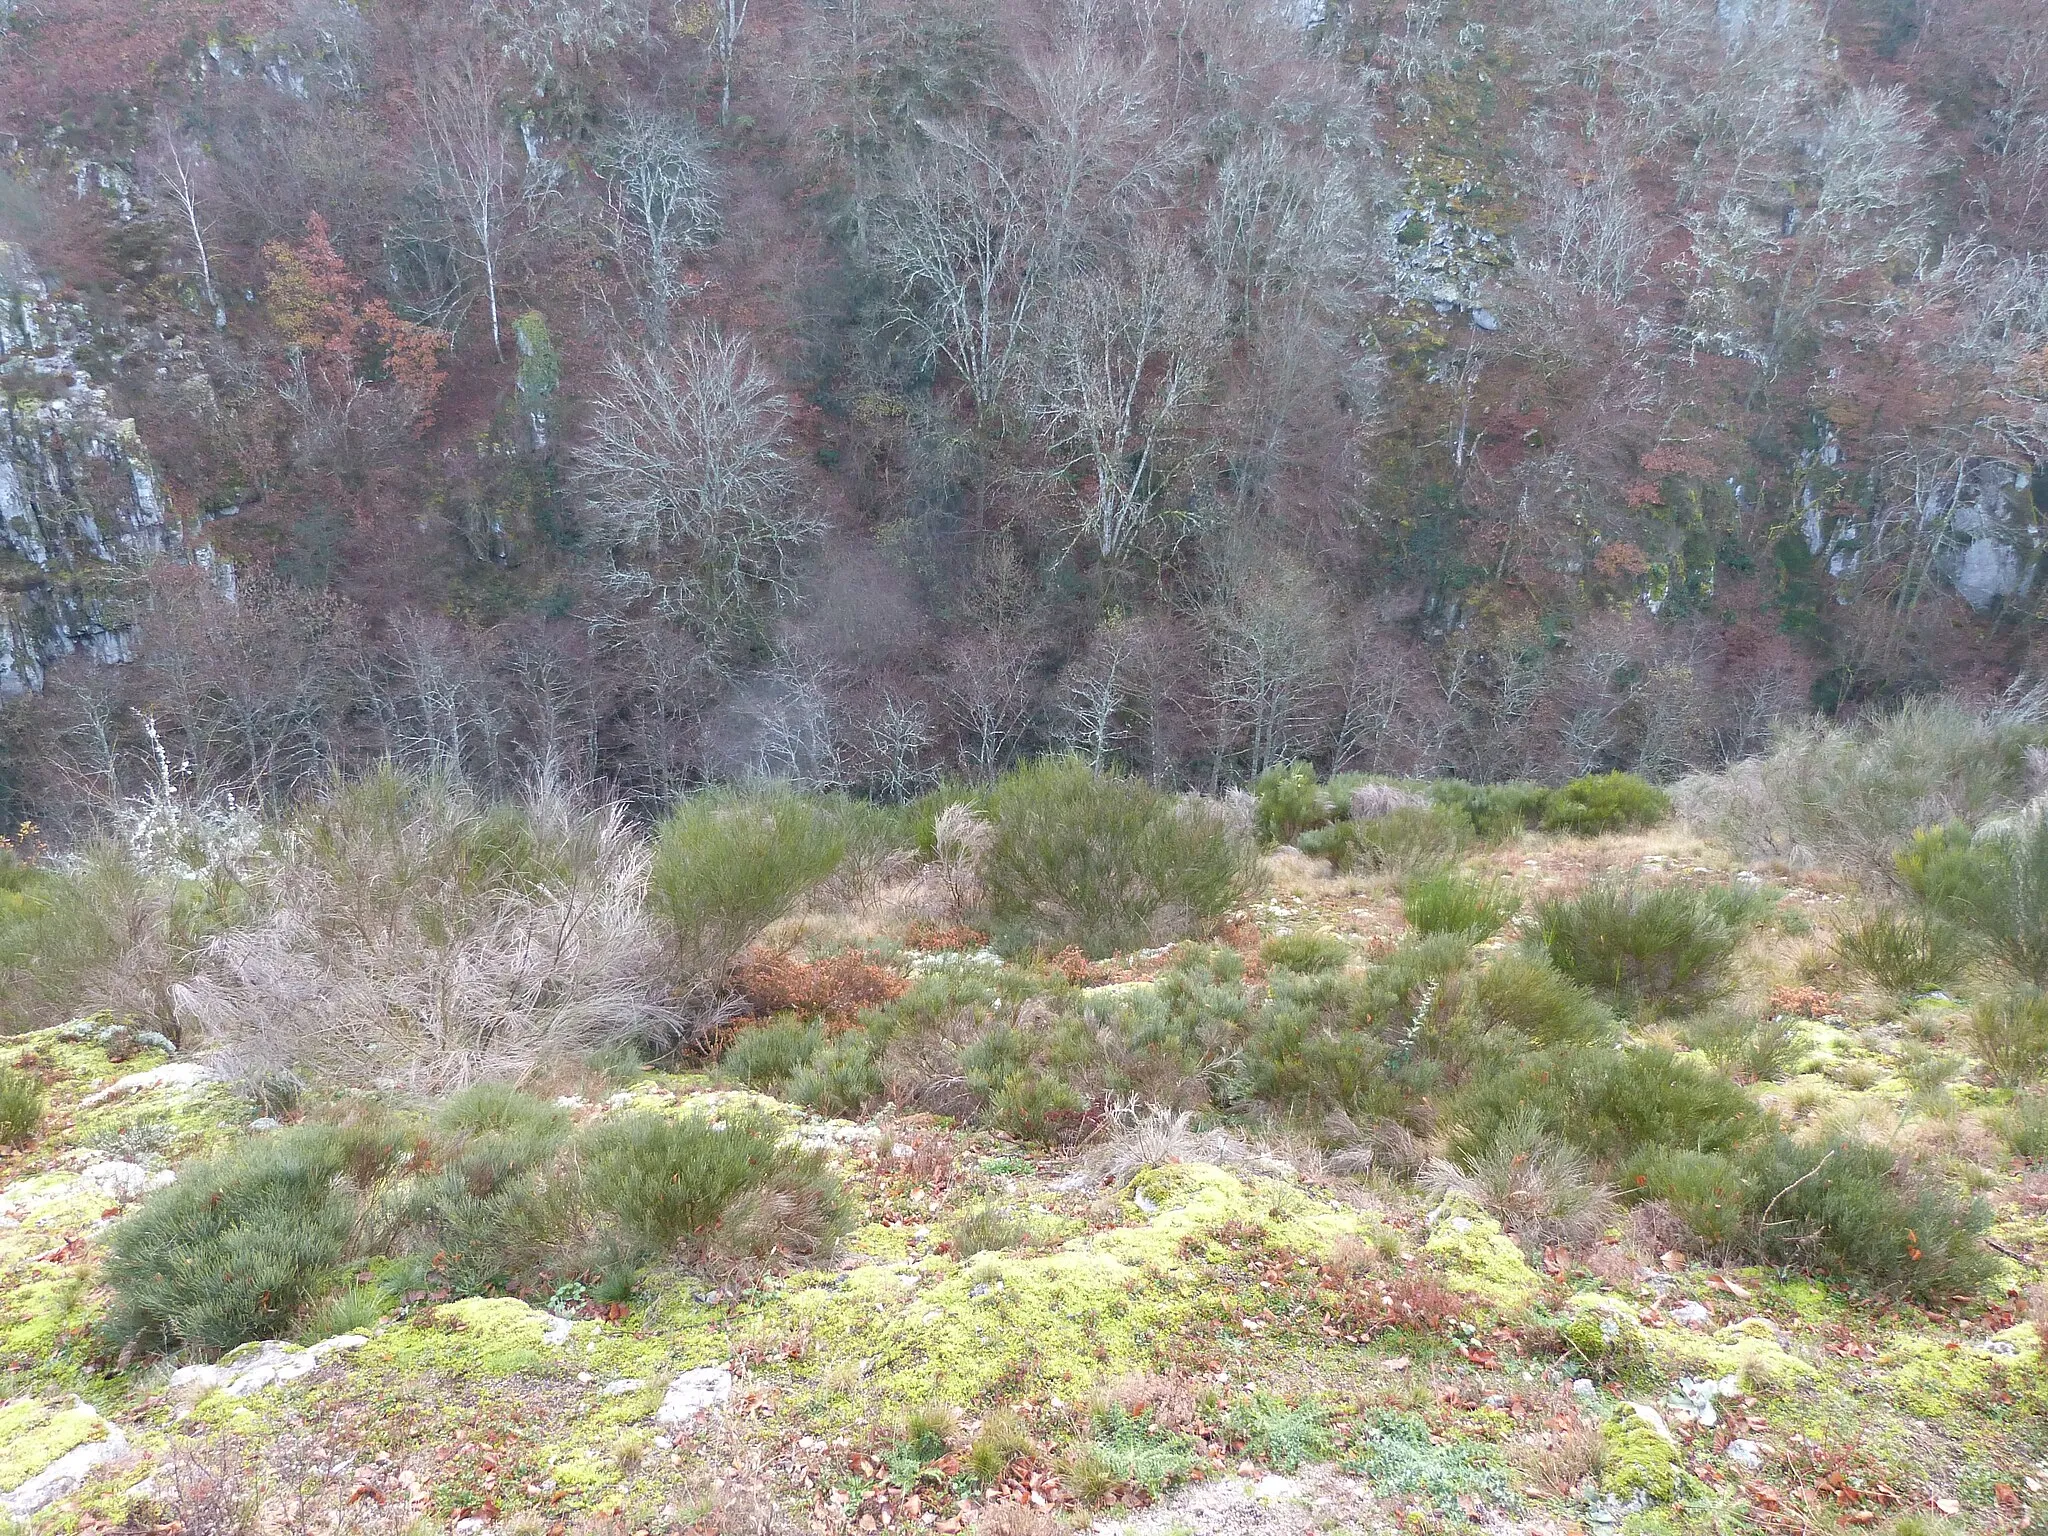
(1234, 1338)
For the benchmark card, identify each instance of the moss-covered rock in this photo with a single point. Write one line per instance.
(1477, 1259)
(479, 1336)
(1601, 1333)
(1639, 1456)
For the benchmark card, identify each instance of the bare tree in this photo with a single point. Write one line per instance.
(1099, 691)
(964, 246)
(1131, 350)
(1270, 655)
(663, 194)
(183, 178)
(684, 459)
(473, 167)
(729, 17)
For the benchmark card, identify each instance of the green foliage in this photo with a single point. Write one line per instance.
(1278, 1434)
(2025, 1126)
(1036, 1107)
(353, 1309)
(1105, 862)
(2010, 1033)
(1492, 812)
(1524, 992)
(1306, 952)
(727, 863)
(839, 1078)
(1402, 841)
(1539, 1186)
(234, 1250)
(1705, 1190)
(1611, 1103)
(1130, 1451)
(540, 366)
(1660, 947)
(667, 1181)
(1749, 1049)
(21, 1107)
(1397, 1456)
(1311, 1049)
(1852, 1210)
(1449, 902)
(1605, 802)
(767, 1056)
(1903, 952)
(1993, 885)
(1289, 802)
(798, 1210)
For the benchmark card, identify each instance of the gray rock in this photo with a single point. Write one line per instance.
(1746, 1454)
(1692, 1314)
(695, 1393)
(67, 1474)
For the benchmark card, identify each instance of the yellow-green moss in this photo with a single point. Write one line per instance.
(1636, 1457)
(479, 1336)
(1477, 1259)
(1945, 1383)
(1602, 1333)
(1748, 1350)
(1183, 1205)
(34, 1433)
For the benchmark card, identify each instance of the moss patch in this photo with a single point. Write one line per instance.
(1638, 1456)
(1477, 1259)
(34, 1433)
(481, 1336)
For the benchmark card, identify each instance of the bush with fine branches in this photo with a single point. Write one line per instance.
(410, 935)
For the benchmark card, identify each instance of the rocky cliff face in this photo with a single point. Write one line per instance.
(79, 497)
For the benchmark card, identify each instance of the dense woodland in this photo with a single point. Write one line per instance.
(864, 392)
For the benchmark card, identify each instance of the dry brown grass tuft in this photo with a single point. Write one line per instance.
(835, 988)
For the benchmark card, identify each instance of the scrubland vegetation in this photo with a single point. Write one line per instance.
(1064, 1135)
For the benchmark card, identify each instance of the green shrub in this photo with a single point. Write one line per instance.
(1003, 1439)
(1306, 952)
(727, 863)
(1611, 1103)
(1288, 802)
(1705, 1190)
(1906, 953)
(798, 1210)
(1853, 1211)
(235, 1250)
(1278, 1434)
(667, 1181)
(21, 1107)
(1311, 1049)
(2025, 1126)
(1750, 1050)
(1036, 1107)
(1743, 904)
(1993, 885)
(1403, 841)
(1605, 802)
(1661, 947)
(2010, 1033)
(1492, 812)
(1525, 993)
(1449, 902)
(767, 1056)
(1105, 862)
(839, 1079)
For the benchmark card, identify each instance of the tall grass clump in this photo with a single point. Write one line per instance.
(1993, 885)
(2010, 1034)
(1853, 795)
(21, 1107)
(729, 862)
(1663, 948)
(235, 1249)
(1540, 1187)
(1449, 902)
(1105, 862)
(1903, 951)
(407, 934)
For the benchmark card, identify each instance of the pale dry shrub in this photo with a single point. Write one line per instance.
(1371, 802)
(1851, 795)
(1137, 1136)
(1540, 1188)
(950, 887)
(412, 936)
(1016, 1520)
(1560, 1461)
